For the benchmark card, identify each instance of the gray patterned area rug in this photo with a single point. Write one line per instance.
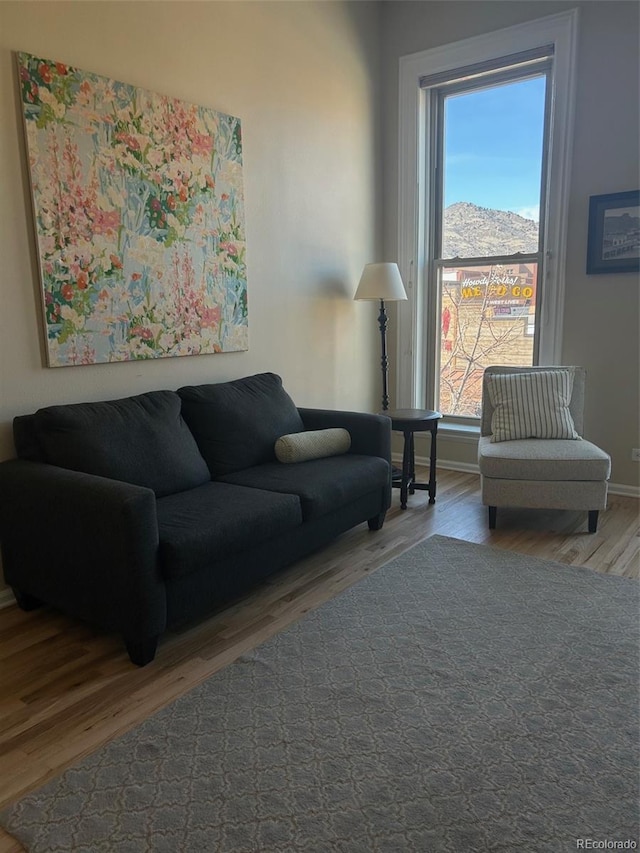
(461, 698)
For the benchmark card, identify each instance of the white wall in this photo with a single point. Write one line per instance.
(303, 77)
(601, 318)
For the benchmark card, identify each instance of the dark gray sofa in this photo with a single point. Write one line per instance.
(143, 513)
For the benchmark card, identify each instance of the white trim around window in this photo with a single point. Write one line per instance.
(559, 30)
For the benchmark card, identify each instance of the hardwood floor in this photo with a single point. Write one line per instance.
(66, 689)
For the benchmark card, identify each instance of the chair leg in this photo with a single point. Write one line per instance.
(376, 522)
(593, 520)
(25, 601)
(493, 511)
(142, 652)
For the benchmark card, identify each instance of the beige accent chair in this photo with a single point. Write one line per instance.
(539, 472)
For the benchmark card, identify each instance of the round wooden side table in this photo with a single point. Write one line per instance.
(410, 421)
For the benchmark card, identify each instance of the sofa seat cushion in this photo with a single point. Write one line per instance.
(323, 485)
(543, 459)
(201, 526)
(141, 440)
(236, 424)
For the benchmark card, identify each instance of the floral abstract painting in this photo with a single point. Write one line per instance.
(139, 214)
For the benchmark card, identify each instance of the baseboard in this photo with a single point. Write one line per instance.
(6, 598)
(624, 490)
(472, 468)
(447, 464)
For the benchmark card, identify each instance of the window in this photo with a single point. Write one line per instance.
(484, 276)
(488, 134)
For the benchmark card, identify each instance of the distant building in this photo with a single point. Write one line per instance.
(488, 317)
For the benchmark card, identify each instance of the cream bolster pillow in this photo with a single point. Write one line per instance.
(312, 444)
(531, 405)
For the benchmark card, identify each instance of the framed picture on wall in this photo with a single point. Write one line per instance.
(138, 206)
(614, 233)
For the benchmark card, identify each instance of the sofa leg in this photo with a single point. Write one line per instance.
(25, 601)
(593, 520)
(493, 512)
(142, 652)
(376, 522)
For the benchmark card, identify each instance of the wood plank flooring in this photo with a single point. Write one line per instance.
(65, 689)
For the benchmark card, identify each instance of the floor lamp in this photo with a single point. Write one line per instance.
(382, 282)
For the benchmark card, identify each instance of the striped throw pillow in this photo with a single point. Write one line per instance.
(531, 405)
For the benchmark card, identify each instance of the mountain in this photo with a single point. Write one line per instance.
(623, 224)
(472, 232)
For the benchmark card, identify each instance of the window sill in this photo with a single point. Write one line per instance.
(459, 432)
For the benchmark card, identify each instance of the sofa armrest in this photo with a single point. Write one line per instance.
(370, 434)
(84, 544)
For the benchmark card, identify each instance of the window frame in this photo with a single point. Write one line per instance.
(416, 153)
(514, 70)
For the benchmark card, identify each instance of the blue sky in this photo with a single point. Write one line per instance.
(493, 147)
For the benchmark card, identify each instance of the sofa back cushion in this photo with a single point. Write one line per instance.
(236, 423)
(141, 440)
(25, 439)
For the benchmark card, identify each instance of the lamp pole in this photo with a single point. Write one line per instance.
(384, 361)
(382, 282)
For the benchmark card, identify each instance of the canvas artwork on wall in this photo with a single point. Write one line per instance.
(139, 216)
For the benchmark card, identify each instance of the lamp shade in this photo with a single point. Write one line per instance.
(381, 281)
